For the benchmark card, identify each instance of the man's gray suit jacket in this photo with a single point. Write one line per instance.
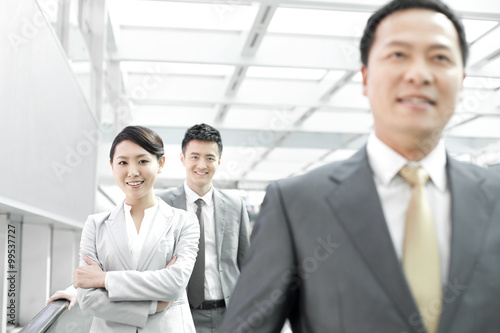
(322, 256)
(231, 232)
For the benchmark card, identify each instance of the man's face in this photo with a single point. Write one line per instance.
(201, 160)
(414, 74)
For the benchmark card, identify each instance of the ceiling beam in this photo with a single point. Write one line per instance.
(276, 50)
(251, 43)
(465, 9)
(485, 49)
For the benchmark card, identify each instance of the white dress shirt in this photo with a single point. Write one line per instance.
(213, 285)
(395, 193)
(136, 239)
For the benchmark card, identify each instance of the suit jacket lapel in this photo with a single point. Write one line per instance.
(356, 203)
(117, 231)
(179, 198)
(468, 231)
(220, 213)
(162, 222)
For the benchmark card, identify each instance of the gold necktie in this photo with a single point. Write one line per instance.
(420, 251)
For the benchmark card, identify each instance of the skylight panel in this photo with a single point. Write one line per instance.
(176, 68)
(476, 28)
(481, 82)
(318, 22)
(358, 78)
(229, 17)
(285, 73)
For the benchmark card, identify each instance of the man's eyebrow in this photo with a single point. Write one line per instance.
(440, 47)
(397, 43)
(408, 45)
(195, 153)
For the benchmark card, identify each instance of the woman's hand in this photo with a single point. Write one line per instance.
(162, 306)
(64, 294)
(90, 276)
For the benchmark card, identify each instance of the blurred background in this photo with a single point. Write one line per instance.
(279, 79)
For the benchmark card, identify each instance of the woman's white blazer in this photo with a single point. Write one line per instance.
(126, 305)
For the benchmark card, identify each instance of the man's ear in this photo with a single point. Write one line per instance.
(364, 74)
(182, 159)
(461, 95)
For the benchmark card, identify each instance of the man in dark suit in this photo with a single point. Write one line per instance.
(225, 223)
(398, 238)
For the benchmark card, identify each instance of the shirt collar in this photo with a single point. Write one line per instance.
(386, 163)
(147, 211)
(192, 196)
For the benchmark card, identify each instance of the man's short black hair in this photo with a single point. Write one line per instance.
(202, 132)
(399, 5)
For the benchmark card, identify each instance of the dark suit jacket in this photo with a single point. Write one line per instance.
(231, 232)
(322, 256)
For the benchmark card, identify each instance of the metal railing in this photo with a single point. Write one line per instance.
(45, 318)
(55, 319)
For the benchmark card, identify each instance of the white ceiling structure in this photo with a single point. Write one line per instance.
(279, 79)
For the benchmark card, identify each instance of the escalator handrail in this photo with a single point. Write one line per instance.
(45, 318)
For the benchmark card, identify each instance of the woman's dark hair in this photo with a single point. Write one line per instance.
(144, 137)
(399, 5)
(202, 132)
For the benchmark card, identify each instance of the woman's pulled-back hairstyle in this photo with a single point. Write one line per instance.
(144, 137)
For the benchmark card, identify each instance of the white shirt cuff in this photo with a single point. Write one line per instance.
(71, 290)
(152, 309)
(106, 281)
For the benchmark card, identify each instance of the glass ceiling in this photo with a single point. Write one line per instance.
(280, 79)
(178, 15)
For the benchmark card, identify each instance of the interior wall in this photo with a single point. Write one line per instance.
(64, 258)
(35, 270)
(49, 135)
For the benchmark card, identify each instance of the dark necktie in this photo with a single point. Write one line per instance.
(196, 285)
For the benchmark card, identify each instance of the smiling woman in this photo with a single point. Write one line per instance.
(136, 157)
(135, 261)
